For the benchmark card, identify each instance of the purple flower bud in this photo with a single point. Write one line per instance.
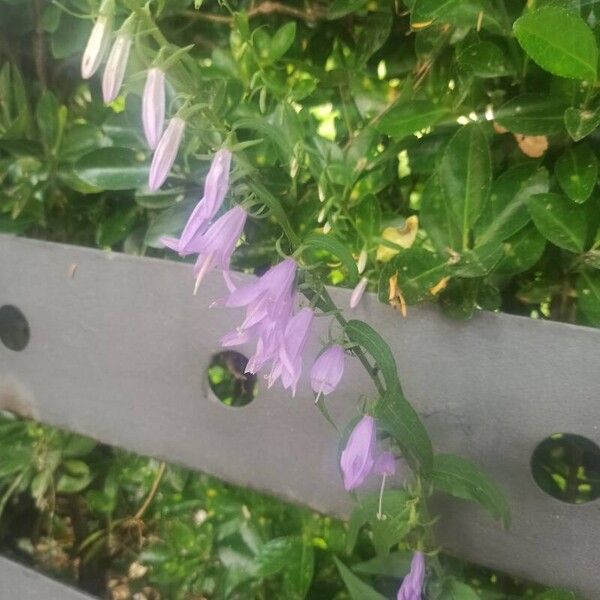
(358, 457)
(114, 71)
(96, 45)
(358, 292)
(215, 188)
(153, 106)
(385, 464)
(165, 153)
(412, 585)
(216, 246)
(327, 370)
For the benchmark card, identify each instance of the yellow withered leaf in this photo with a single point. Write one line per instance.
(421, 25)
(401, 236)
(439, 286)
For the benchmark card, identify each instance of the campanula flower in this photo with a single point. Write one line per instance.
(165, 153)
(358, 457)
(215, 188)
(327, 370)
(153, 106)
(98, 40)
(114, 71)
(412, 585)
(217, 244)
(385, 465)
(288, 364)
(358, 292)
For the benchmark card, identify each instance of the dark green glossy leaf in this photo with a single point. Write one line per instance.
(559, 41)
(533, 114)
(477, 262)
(436, 217)
(577, 172)
(160, 198)
(169, 222)
(459, 477)
(112, 169)
(559, 221)
(507, 210)
(274, 556)
(459, 298)
(465, 176)
(462, 13)
(331, 245)
(580, 123)
(367, 217)
(521, 251)
(395, 564)
(417, 270)
(402, 120)
(556, 595)
(48, 119)
(357, 588)
(588, 296)
(484, 59)
(457, 590)
(299, 573)
(340, 8)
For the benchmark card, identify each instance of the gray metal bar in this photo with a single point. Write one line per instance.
(119, 349)
(20, 583)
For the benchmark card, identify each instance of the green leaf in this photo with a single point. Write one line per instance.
(298, 576)
(581, 122)
(532, 114)
(274, 556)
(69, 484)
(282, 41)
(169, 222)
(404, 119)
(507, 210)
(331, 245)
(40, 484)
(436, 217)
(465, 176)
(484, 59)
(588, 296)
(48, 119)
(80, 139)
(395, 564)
(160, 198)
(367, 217)
(461, 13)
(458, 299)
(417, 270)
(112, 169)
(479, 261)
(459, 477)
(559, 221)
(457, 590)
(341, 8)
(559, 41)
(357, 588)
(577, 172)
(521, 251)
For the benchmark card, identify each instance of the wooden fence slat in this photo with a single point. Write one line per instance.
(119, 349)
(17, 582)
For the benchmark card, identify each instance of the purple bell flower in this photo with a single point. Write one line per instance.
(165, 153)
(114, 71)
(153, 106)
(385, 465)
(358, 457)
(217, 244)
(215, 188)
(412, 585)
(327, 371)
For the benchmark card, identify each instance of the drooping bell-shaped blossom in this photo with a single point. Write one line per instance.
(412, 585)
(288, 363)
(385, 464)
(265, 296)
(358, 457)
(358, 292)
(327, 370)
(153, 106)
(97, 43)
(114, 71)
(166, 153)
(217, 244)
(215, 188)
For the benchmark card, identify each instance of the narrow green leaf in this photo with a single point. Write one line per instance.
(457, 590)
(282, 40)
(405, 119)
(559, 221)
(112, 169)
(556, 594)
(298, 575)
(357, 588)
(331, 245)
(577, 172)
(588, 296)
(532, 114)
(395, 564)
(465, 176)
(459, 477)
(559, 41)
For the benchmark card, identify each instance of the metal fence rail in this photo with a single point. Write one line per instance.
(119, 349)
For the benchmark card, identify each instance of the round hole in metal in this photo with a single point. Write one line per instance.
(14, 328)
(228, 381)
(567, 467)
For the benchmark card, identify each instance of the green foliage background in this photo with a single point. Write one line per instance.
(347, 117)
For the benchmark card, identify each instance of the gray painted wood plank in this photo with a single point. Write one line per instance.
(119, 352)
(20, 583)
